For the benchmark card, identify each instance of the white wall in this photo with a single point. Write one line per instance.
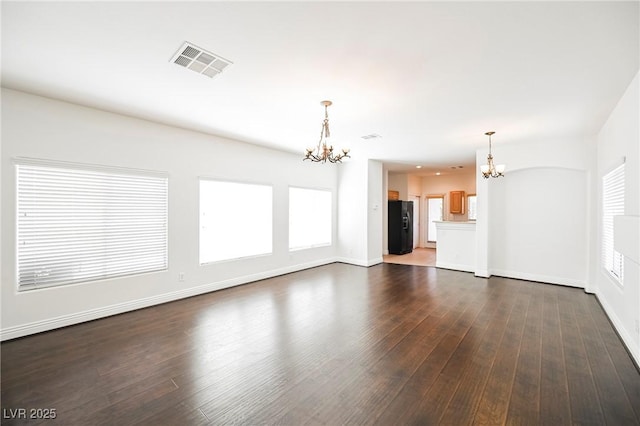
(38, 127)
(619, 138)
(352, 223)
(538, 225)
(360, 193)
(385, 212)
(534, 223)
(376, 205)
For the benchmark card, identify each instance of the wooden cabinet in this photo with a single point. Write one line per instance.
(456, 202)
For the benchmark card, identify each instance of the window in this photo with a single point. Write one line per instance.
(82, 223)
(309, 218)
(434, 213)
(612, 205)
(236, 220)
(472, 206)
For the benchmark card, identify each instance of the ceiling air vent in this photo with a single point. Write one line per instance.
(371, 136)
(199, 60)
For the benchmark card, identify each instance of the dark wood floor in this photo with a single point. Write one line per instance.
(390, 344)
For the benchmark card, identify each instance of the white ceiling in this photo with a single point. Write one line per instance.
(429, 77)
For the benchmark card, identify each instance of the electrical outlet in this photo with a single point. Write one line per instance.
(181, 276)
(638, 327)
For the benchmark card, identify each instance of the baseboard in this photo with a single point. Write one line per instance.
(482, 273)
(455, 266)
(627, 339)
(106, 311)
(360, 262)
(539, 278)
(375, 261)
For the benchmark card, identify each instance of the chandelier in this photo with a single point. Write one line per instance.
(324, 152)
(491, 169)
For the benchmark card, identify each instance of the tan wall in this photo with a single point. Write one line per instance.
(442, 185)
(399, 182)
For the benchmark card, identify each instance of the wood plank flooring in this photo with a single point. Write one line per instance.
(338, 344)
(420, 256)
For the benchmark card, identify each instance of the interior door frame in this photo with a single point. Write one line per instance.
(417, 218)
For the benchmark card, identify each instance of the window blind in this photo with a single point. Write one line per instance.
(77, 224)
(612, 205)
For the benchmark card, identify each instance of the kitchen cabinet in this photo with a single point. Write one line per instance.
(456, 202)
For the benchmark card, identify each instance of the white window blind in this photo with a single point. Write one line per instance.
(78, 224)
(612, 205)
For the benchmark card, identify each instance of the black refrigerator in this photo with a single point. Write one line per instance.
(400, 229)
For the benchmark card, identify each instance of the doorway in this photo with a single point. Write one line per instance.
(435, 205)
(420, 256)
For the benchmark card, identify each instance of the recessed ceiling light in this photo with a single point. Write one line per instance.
(199, 60)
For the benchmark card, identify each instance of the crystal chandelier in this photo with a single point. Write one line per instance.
(491, 169)
(324, 152)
